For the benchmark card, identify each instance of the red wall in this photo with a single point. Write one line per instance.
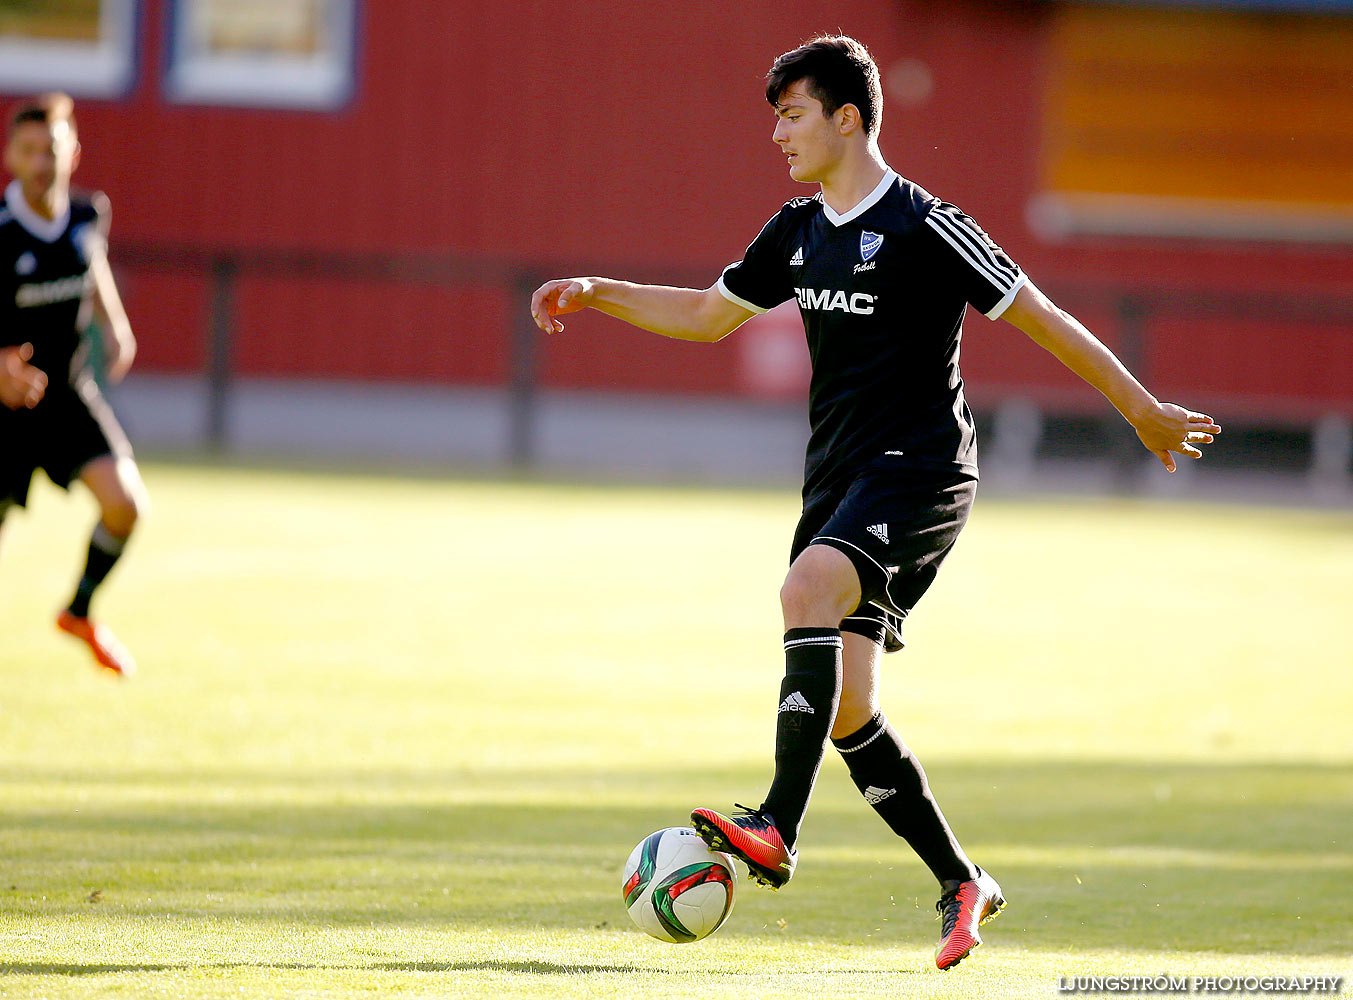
(634, 139)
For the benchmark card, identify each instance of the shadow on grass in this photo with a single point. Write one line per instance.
(1236, 858)
(518, 968)
(62, 969)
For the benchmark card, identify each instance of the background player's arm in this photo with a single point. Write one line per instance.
(682, 313)
(1162, 427)
(119, 344)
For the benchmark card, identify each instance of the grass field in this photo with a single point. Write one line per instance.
(394, 737)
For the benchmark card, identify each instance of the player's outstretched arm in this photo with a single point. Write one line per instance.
(682, 313)
(1162, 427)
(21, 385)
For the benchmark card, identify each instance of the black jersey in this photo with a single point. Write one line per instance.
(882, 290)
(46, 288)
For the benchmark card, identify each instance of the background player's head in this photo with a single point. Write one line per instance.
(41, 149)
(826, 94)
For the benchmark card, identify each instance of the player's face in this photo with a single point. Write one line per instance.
(41, 157)
(811, 140)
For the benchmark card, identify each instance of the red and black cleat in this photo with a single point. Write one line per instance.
(751, 836)
(108, 653)
(963, 907)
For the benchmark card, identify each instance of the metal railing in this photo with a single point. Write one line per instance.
(223, 269)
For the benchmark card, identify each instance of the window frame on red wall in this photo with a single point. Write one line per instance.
(270, 81)
(102, 69)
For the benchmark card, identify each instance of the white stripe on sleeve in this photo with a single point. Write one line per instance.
(995, 311)
(973, 249)
(736, 299)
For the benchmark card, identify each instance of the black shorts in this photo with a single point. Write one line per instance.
(896, 526)
(71, 426)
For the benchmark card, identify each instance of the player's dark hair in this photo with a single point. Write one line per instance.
(45, 109)
(837, 70)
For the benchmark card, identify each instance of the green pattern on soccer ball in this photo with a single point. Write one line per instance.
(648, 863)
(664, 901)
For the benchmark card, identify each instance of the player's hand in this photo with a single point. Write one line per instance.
(21, 385)
(1167, 428)
(557, 298)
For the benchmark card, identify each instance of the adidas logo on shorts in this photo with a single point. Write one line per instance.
(879, 531)
(797, 259)
(874, 795)
(796, 702)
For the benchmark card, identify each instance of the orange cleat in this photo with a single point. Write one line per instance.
(963, 907)
(110, 654)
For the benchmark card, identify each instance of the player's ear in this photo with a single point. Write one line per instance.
(848, 119)
(75, 156)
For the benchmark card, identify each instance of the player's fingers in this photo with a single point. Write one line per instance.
(540, 310)
(1203, 418)
(1166, 459)
(1190, 451)
(1197, 437)
(25, 352)
(536, 298)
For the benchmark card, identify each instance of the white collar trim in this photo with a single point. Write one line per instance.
(43, 229)
(865, 204)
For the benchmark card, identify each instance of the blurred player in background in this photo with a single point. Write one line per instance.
(883, 272)
(54, 282)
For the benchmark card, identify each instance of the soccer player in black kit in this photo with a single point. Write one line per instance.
(55, 280)
(882, 271)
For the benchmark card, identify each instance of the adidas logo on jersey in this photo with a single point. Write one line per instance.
(827, 300)
(797, 259)
(879, 531)
(796, 702)
(874, 795)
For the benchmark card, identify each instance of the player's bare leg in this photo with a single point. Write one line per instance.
(821, 588)
(116, 484)
(860, 662)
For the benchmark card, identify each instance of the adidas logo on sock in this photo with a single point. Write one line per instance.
(879, 531)
(874, 795)
(797, 259)
(796, 702)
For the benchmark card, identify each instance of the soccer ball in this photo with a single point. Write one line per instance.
(676, 888)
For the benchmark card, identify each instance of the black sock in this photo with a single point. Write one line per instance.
(104, 550)
(808, 698)
(893, 782)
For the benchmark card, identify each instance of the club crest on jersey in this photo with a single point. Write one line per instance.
(26, 264)
(869, 244)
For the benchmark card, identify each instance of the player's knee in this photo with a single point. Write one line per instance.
(807, 603)
(820, 590)
(120, 516)
(799, 599)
